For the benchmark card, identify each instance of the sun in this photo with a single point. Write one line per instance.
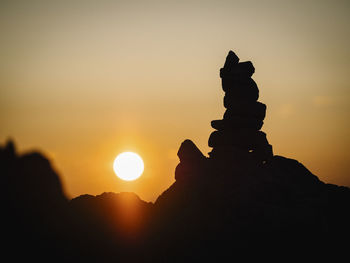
(128, 166)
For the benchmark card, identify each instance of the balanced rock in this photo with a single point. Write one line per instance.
(230, 62)
(237, 122)
(240, 87)
(247, 109)
(244, 138)
(233, 67)
(238, 132)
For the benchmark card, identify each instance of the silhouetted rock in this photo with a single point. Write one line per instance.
(241, 93)
(237, 122)
(188, 152)
(245, 197)
(35, 213)
(41, 224)
(240, 198)
(9, 151)
(191, 160)
(247, 109)
(230, 62)
(232, 67)
(241, 138)
(242, 144)
(240, 205)
(240, 88)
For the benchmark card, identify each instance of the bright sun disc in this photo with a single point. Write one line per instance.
(128, 166)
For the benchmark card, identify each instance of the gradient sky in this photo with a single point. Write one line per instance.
(82, 81)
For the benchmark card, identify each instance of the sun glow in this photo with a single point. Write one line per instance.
(128, 166)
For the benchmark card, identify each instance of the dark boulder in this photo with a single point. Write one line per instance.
(241, 88)
(242, 138)
(191, 160)
(245, 69)
(188, 151)
(230, 61)
(235, 122)
(244, 108)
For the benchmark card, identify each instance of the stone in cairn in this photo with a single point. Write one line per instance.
(238, 134)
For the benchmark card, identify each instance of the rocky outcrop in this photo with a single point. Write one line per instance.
(243, 196)
(192, 161)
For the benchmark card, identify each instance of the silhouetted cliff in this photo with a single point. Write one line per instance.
(208, 210)
(233, 207)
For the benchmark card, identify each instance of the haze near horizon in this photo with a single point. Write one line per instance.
(83, 81)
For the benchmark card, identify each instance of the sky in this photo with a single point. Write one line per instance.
(82, 81)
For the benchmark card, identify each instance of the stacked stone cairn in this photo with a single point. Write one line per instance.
(238, 136)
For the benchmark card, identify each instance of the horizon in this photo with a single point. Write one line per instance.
(83, 83)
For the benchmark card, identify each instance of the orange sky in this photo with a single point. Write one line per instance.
(82, 81)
